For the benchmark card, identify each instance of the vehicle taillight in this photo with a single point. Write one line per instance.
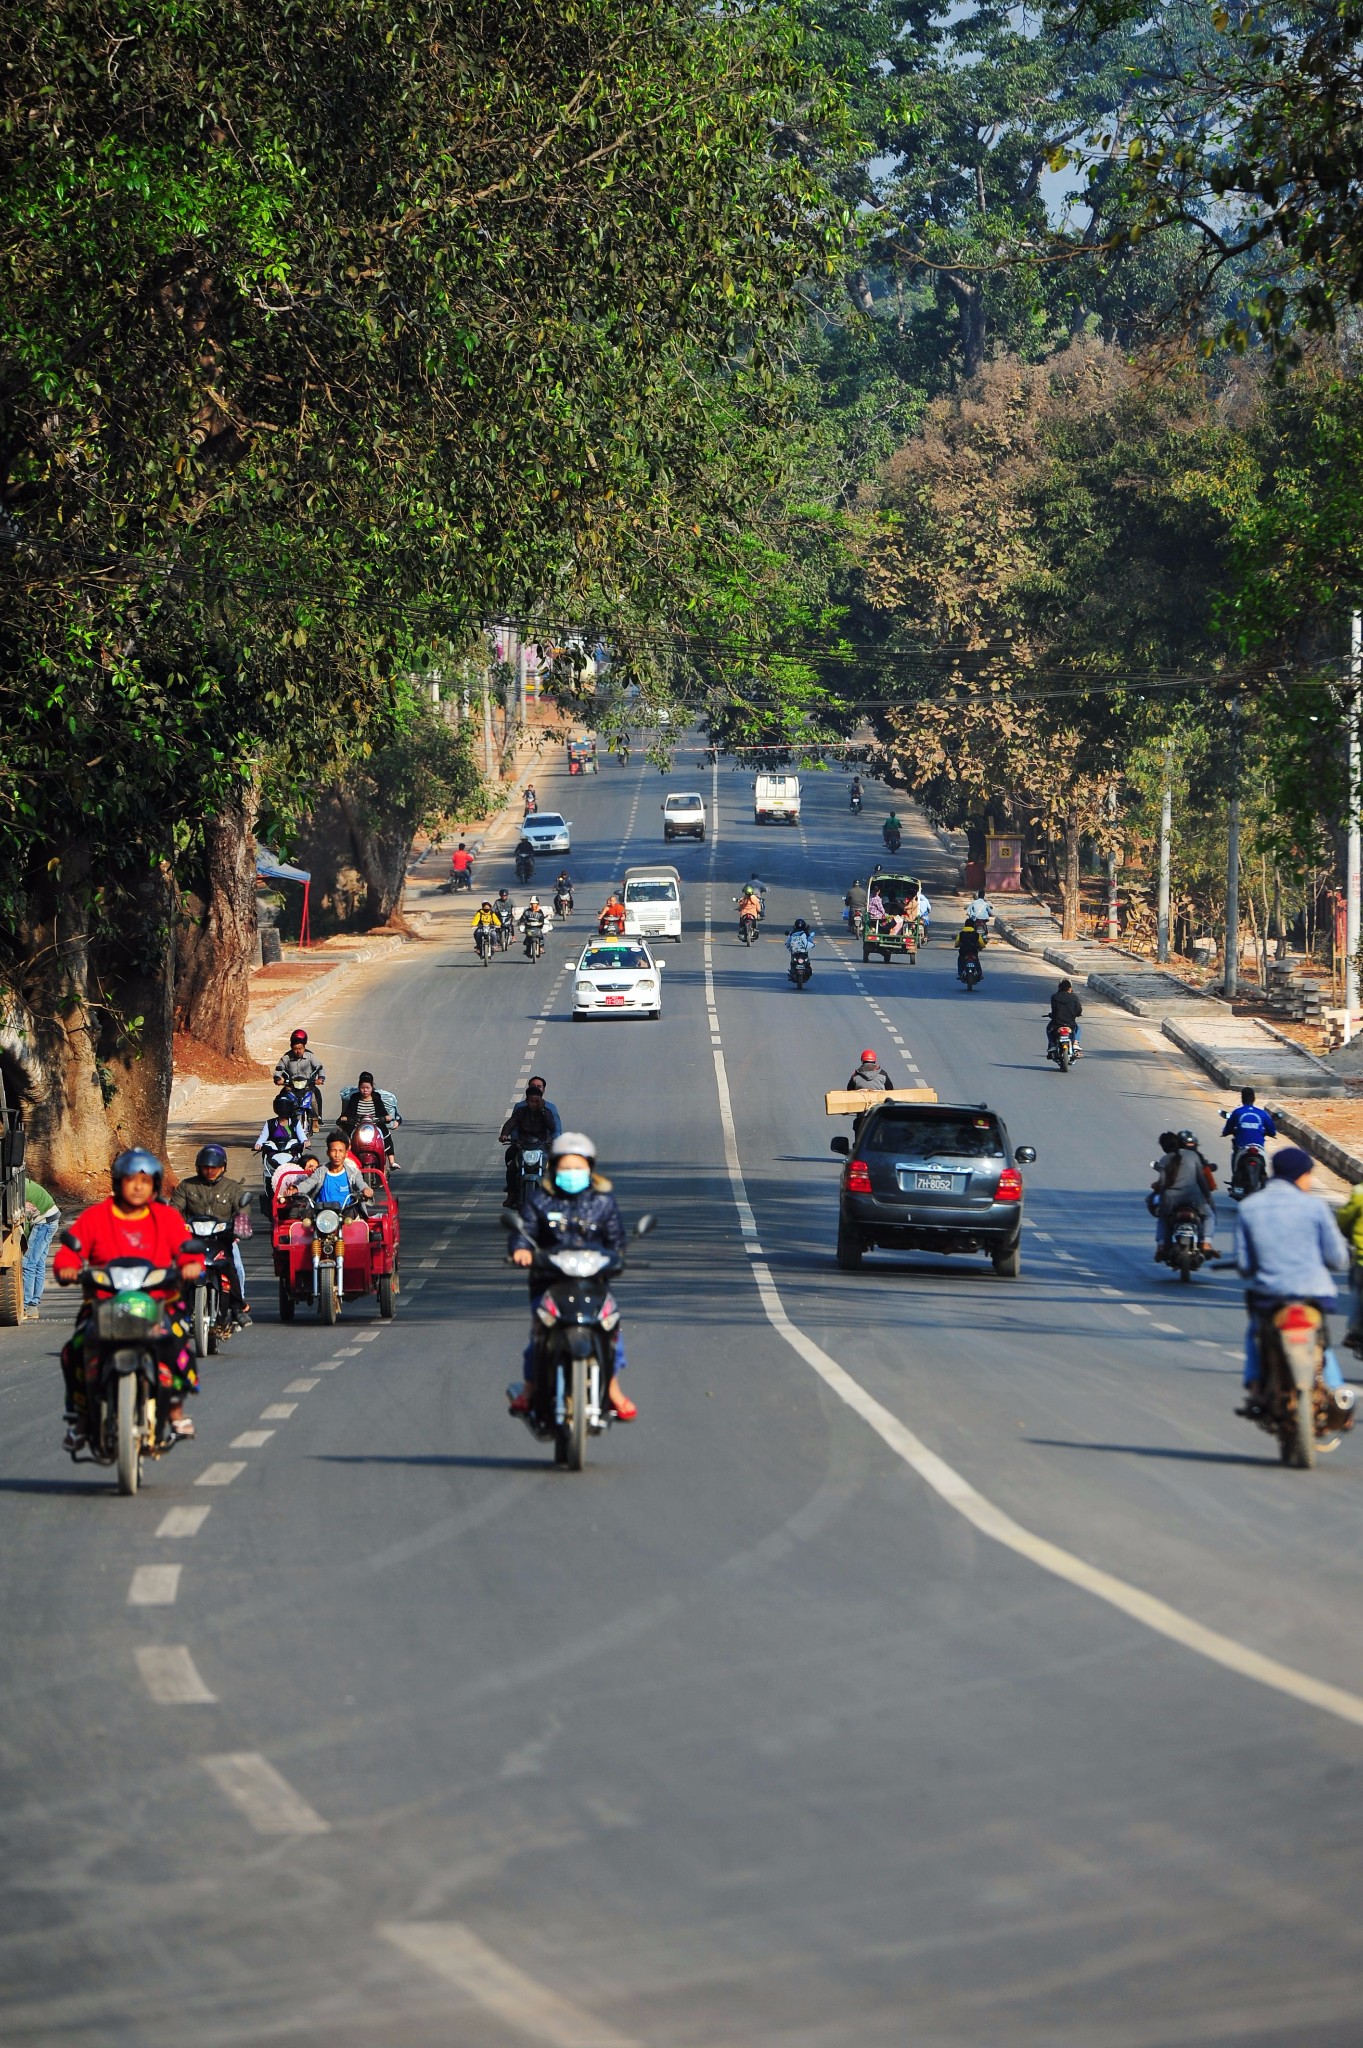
(1298, 1319)
(857, 1180)
(1010, 1185)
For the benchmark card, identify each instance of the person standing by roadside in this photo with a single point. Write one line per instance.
(41, 1220)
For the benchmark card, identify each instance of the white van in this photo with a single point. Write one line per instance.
(776, 798)
(684, 813)
(653, 903)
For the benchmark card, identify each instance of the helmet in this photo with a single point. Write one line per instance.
(487, 903)
(284, 1105)
(868, 1054)
(298, 1038)
(210, 1155)
(534, 903)
(1187, 1138)
(800, 925)
(576, 1142)
(138, 1160)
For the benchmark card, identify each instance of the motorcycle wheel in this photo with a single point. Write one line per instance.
(384, 1291)
(202, 1321)
(1303, 1456)
(577, 1421)
(129, 1434)
(1066, 1056)
(286, 1302)
(1185, 1272)
(328, 1308)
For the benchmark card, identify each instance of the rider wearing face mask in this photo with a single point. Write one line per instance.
(571, 1207)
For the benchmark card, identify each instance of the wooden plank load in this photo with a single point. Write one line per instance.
(851, 1101)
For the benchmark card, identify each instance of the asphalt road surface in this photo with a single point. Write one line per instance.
(937, 1662)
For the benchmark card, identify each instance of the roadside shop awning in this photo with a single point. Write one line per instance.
(270, 868)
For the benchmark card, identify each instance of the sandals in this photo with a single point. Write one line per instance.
(518, 1400)
(182, 1427)
(623, 1408)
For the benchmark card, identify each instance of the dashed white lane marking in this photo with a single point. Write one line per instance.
(444, 1243)
(1043, 1235)
(1069, 1257)
(1133, 1308)
(956, 1491)
(409, 1287)
(1169, 1329)
(279, 1411)
(300, 1386)
(250, 1440)
(430, 1265)
(327, 1365)
(350, 1351)
(169, 1674)
(518, 2001)
(366, 1336)
(182, 1521)
(1115, 1292)
(221, 1474)
(154, 1585)
(267, 1800)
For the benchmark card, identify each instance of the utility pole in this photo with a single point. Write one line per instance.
(1231, 984)
(1112, 926)
(1166, 830)
(1351, 903)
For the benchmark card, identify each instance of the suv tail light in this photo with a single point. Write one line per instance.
(1010, 1185)
(857, 1179)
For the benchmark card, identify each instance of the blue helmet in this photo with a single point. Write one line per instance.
(138, 1160)
(210, 1155)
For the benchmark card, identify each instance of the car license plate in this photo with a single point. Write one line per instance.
(938, 1183)
(614, 1002)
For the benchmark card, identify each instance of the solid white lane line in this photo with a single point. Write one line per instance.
(250, 1440)
(957, 1492)
(169, 1674)
(221, 1474)
(154, 1585)
(279, 1411)
(527, 2007)
(267, 1800)
(182, 1521)
(302, 1386)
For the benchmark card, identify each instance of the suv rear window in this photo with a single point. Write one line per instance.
(955, 1135)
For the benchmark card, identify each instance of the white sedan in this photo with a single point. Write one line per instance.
(617, 977)
(547, 832)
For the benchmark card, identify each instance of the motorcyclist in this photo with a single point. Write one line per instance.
(563, 890)
(1183, 1180)
(533, 920)
(1066, 1008)
(970, 943)
(531, 802)
(869, 1075)
(535, 1122)
(277, 1134)
(133, 1224)
(525, 860)
(799, 942)
(299, 1069)
(924, 911)
(504, 909)
(1247, 1127)
(210, 1195)
(488, 919)
(750, 904)
(855, 899)
(339, 1182)
(854, 794)
(461, 864)
(366, 1102)
(1288, 1248)
(572, 1206)
(890, 827)
(979, 908)
(612, 910)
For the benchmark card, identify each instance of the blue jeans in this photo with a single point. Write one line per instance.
(1330, 1372)
(35, 1259)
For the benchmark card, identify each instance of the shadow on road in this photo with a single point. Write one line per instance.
(1058, 1443)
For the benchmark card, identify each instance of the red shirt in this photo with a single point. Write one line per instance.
(160, 1235)
(461, 860)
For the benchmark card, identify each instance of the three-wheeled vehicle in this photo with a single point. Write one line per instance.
(900, 931)
(325, 1256)
(582, 757)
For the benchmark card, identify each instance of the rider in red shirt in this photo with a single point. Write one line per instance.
(132, 1224)
(461, 860)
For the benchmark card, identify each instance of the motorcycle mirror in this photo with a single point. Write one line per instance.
(69, 1241)
(510, 1219)
(244, 1200)
(646, 1225)
(1025, 1155)
(842, 1146)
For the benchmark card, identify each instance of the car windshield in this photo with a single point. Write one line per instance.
(650, 892)
(614, 956)
(916, 1136)
(549, 820)
(683, 803)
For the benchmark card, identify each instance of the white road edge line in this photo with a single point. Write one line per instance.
(454, 1952)
(267, 1800)
(945, 1481)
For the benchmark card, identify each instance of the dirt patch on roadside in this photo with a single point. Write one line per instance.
(193, 1057)
(1339, 1118)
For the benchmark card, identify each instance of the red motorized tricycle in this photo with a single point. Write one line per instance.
(325, 1255)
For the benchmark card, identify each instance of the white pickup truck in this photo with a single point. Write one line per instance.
(776, 798)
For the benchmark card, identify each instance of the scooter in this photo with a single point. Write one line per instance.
(801, 967)
(892, 837)
(1294, 1404)
(970, 973)
(1061, 1049)
(1249, 1172)
(127, 1391)
(854, 801)
(213, 1321)
(1183, 1243)
(563, 899)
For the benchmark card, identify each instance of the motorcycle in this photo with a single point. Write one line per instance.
(526, 1171)
(506, 927)
(303, 1105)
(1294, 1403)
(970, 973)
(574, 1351)
(212, 1319)
(854, 802)
(484, 939)
(531, 804)
(534, 940)
(273, 1157)
(1183, 1243)
(563, 899)
(610, 927)
(461, 879)
(525, 861)
(1249, 1173)
(748, 924)
(1061, 1048)
(801, 967)
(127, 1390)
(892, 837)
(328, 1257)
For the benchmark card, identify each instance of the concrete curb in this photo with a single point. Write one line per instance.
(1234, 1067)
(1138, 1006)
(1347, 1164)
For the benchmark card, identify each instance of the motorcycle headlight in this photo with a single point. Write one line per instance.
(328, 1222)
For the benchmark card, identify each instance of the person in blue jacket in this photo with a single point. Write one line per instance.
(1247, 1126)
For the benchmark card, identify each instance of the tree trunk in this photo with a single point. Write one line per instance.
(1069, 892)
(860, 293)
(381, 857)
(216, 949)
(969, 296)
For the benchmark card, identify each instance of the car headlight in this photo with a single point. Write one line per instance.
(645, 988)
(586, 988)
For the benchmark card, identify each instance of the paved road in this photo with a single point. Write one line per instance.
(755, 1735)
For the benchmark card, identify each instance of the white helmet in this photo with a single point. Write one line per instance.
(576, 1142)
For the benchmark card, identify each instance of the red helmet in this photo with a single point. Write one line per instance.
(298, 1038)
(869, 1054)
